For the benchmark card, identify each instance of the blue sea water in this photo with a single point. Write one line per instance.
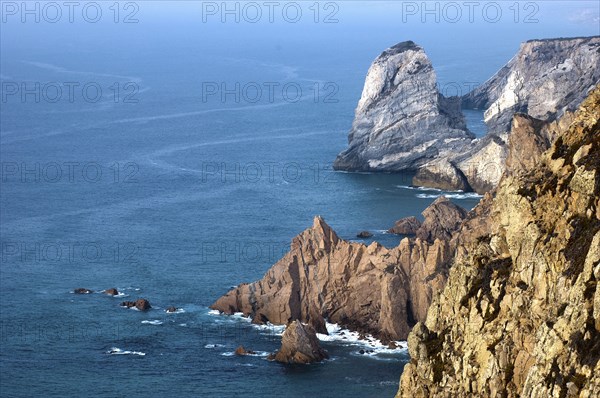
(176, 190)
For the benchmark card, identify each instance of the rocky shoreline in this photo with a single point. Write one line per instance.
(403, 123)
(502, 300)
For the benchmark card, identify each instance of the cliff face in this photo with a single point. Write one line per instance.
(403, 123)
(520, 314)
(544, 79)
(370, 289)
(401, 120)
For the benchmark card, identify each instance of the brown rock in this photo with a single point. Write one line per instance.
(520, 312)
(364, 235)
(406, 226)
(140, 304)
(526, 144)
(82, 290)
(299, 344)
(442, 219)
(111, 292)
(441, 174)
(242, 351)
(370, 289)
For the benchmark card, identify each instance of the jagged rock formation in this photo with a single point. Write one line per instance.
(370, 289)
(299, 344)
(401, 120)
(442, 218)
(520, 314)
(406, 226)
(545, 79)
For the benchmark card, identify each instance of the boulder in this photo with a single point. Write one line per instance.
(442, 219)
(242, 351)
(441, 174)
(82, 290)
(299, 344)
(171, 309)
(140, 304)
(406, 226)
(111, 292)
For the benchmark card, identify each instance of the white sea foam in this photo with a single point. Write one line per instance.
(153, 322)
(177, 311)
(261, 354)
(214, 345)
(339, 335)
(118, 351)
(214, 312)
(418, 188)
(467, 195)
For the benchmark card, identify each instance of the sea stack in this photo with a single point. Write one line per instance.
(402, 120)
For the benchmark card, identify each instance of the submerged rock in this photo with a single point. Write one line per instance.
(299, 344)
(364, 235)
(82, 290)
(171, 309)
(111, 292)
(520, 314)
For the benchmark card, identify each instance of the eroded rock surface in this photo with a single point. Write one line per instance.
(371, 289)
(299, 344)
(520, 314)
(401, 119)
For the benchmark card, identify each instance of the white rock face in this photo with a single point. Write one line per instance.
(401, 120)
(403, 123)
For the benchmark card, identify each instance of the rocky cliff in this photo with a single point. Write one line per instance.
(520, 314)
(403, 123)
(401, 120)
(371, 289)
(544, 79)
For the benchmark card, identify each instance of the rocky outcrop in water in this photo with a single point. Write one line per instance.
(406, 226)
(520, 314)
(401, 120)
(545, 79)
(299, 344)
(403, 123)
(140, 304)
(370, 289)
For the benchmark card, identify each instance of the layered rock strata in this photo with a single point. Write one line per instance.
(401, 120)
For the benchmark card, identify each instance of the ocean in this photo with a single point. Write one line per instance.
(177, 156)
